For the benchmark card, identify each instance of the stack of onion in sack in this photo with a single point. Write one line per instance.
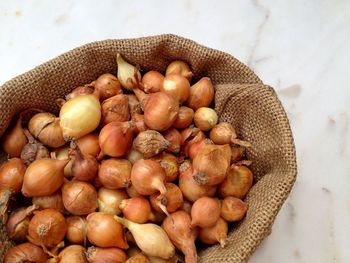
(134, 169)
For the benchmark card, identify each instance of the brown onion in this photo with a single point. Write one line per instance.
(178, 86)
(115, 108)
(147, 176)
(160, 110)
(88, 144)
(190, 189)
(14, 140)
(184, 118)
(108, 86)
(104, 231)
(170, 165)
(214, 234)
(134, 104)
(76, 230)
(53, 201)
(150, 143)
(152, 81)
(33, 150)
(43, 177)
(115, 139)
(201, 94)
(205, 212)
(174, 137)
(179, 67)
(169, 202)
(72, 254)
(79, 198)
(132, 191)
(109, 200)
(205, 118)
(26, 252)
(18, 222)
(47, 228)
(84, 167)
(134, 156)
(105, 255)
(139, 122)
(115, 173)
(233, 209)
(211, 164)
(82, 90)
(178, 228)
(222, 133)
(136, 209)
(237, 183)
(193, 148)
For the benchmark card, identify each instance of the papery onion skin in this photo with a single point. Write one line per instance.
(205, 118)
(53, 201)
(105, 255)
(33, 150)
(172, 200)
(115, 108)
(178, 86)
(104, 231)
(139, 122)
(47, 228)
(128, 75)
(150, 143)
(76, 229)
(84, 167)
(179, 67)
(152, 81)
(233, 209)
(109, 200)
(134, 104)
(12, 174)
(170, 165)
(201, 94)
(73, 253)
(160, 111)
(39, 121)
(215, 234)
(26, 252)
(79, 198)
(43, 177)
(89, 145)
(14, 140)
(205, 212)
(184, 118)
(115, 173)
(108, 86)
(174, 137)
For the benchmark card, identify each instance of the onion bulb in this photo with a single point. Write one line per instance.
(169, 202)
(178, 228)
(76, 230)
(184, 118)
(72, 253)
(105, 255)
(237, 183)
(80, 116)
(81, 90)
(211, 164)
(136, 209)
(109, 200)
(14, 140)
(108, 86)
(150, 143)
(152, 81)
(160, 111)
(179, 67)
(205, 212)
(150, 238)
(147, 176)
(88, 144)
(79, 198)
(115, 108)
(53, 201)
(214, 234)
(104, 231)
(43, 177)
(84, 167)
(174, 137)
(33, 150)
(222, 133)
(201, 94)
(176, 85)
(205, 118)
(128, 75)
(233, 209)
(115, 173)
(115, 139)
(26, 252)
(170, 165)
(47, 228)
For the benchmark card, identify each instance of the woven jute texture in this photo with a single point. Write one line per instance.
(241, 98)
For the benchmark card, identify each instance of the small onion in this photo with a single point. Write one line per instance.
(84, 167)
(26, 252)
(237, 183)
(184, 118)
(14, 140)
(115, 173)
(150, 143)
(205, 118)
(222, 133)
(109, 200)
(33, 150)
(170, 165)
(128, 75)
(233, 209)
(115, 108)
(105, 255)
(88, 144)
(11, 175)
(178, 86)
(201, 94)
(72, 253)
(104, 231)
(136, 209)
(152, 81)
(205, 212)
(53, 201)
(214, 234)
(47, 228)
(179, 67)
(79, 198)
(76, 230)
(108, 86)
(174, 137)
(169, 202)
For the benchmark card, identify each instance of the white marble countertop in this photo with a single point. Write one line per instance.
(298, 47)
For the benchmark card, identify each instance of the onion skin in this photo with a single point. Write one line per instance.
(201, 94)
(104, 231)
(105, 255)
(84, 167)
(179, 67)
(115, 173)
(108, 86)
(128, 75)
(237, 183)
(152, 81)
(205, 118)
(215, 234)
(184, 118)
(14, 140)
(82, 90)
(147, 176)
(178, 228)
(26, 252)
(136, 209)
(43, 172)
(138, 258)
(79, 198)
(178, 86)
(53, 201)
(89, 145)
(47, 228)
(33, 150)
(190, 189)
(150, 143)
(222, 133)
(205, 212)
(76, 230)
(160, 111)
(12, 174)
(134, 104)
(170, 165)
(172, 200)
(174, 137)
(139, 121)
(233, 209)
(115, 108)
(72, 254)
(132, 191)
(62, 153)
(109, 200)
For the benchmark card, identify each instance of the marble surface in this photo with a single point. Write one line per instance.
(298, 47)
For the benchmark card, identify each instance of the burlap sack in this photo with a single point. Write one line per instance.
(241, 98)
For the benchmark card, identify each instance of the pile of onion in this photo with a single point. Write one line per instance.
(133, 160)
